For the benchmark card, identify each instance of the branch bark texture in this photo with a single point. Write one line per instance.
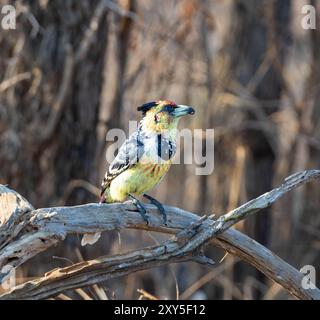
(25, 235)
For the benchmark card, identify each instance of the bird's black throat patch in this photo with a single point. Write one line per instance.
(165, 148)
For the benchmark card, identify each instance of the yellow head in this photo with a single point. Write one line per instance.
(162, 116)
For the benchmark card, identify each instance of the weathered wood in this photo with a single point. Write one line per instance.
(104, 268)
(53, 224)
(13, 211)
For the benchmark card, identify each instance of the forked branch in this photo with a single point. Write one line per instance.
(37, 230)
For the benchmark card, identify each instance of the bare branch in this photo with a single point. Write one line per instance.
(52, 224)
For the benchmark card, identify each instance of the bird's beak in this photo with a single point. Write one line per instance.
(182, 110)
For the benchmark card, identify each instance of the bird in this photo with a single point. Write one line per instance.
(143, 159)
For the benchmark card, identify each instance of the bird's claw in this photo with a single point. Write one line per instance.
(143, 212)
(159, 206)
(141, 209)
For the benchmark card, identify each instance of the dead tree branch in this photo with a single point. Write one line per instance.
(45, 227)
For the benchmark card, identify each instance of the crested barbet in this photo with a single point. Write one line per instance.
(143, 159)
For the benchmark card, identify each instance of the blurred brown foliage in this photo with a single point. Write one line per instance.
(72, 70)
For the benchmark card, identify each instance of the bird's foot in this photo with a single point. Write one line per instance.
(159, 206)
(140, 208)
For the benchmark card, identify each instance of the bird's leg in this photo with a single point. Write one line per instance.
(140, 208)
(159, 206)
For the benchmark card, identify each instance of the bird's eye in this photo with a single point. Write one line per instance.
(168, 108)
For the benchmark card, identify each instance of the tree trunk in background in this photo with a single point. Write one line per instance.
(112, 99)
(258, 45)
(48, 138)
(304, 215)
(293, 216)
(209, 83)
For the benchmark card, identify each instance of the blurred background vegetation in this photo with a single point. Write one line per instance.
(72, 70)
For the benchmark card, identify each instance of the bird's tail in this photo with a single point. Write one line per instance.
(102, 199)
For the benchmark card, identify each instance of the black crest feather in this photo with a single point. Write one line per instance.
(147, 106)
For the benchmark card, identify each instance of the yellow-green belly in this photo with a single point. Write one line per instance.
(136, 180)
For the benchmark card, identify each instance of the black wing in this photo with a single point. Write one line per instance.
(129, 154)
